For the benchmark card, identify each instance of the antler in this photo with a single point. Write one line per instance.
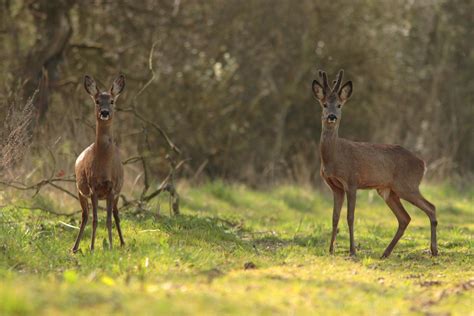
(324, 76)
(338, 82)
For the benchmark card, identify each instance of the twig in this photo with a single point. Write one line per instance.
(68, 225)
(64, 190)
(133, 108)
(150, 230)
(34, 208)
(131, 160)
(145, 172)
(39, 185)
(137, 115)
(164, 184)
(150, 66)
(200, 169)
(146, 184)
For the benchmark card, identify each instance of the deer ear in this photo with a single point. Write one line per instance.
(318, 90)
(90, 86)
(117, 86)
(346, 91)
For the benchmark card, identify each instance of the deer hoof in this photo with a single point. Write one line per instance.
(385, 256)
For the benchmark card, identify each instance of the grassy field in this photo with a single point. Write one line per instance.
(239, 251)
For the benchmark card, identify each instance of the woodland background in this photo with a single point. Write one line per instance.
(229, 82)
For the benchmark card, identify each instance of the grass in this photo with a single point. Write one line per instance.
(240, 251)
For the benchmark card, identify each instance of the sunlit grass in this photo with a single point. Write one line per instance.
(196, 263)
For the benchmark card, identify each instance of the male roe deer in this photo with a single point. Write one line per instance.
(99, 170)
(347, 166)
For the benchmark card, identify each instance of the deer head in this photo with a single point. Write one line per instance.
(104, 101)
(332, 100)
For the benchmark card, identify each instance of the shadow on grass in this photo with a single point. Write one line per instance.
(218, 231)
(406, 255)
(220, 235)
(193, 228)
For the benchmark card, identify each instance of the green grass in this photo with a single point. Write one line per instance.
(194, 263)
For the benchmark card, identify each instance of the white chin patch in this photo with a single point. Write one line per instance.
(105, 118)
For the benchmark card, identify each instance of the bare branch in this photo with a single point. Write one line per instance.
(137, 115)
(133, 108)
(40, 208)
(39, 185)
(150, 66)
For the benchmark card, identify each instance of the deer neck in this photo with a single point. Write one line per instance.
(104, 137)
(328, 144)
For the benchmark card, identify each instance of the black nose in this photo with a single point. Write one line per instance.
(104, 113)
(332, 117)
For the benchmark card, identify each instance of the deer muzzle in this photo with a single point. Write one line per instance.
(331, 118)
(104, 115)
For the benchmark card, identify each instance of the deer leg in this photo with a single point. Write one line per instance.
(393, 202)
(351, 202)
(85, 216)
(117, 222)
(419, 201)
(95, 202)
(336, 212)
(110, 204)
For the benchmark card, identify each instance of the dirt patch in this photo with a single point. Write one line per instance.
(456, 290)
(430, 283)
(249, 266)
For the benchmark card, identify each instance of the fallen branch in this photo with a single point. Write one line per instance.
(40, 208)
(166, 185)
(39, 185)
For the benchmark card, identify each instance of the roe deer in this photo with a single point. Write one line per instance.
(99, 171)
(347, 166)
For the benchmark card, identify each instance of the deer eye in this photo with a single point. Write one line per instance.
(339, 105)
(111, 101)
(97, 102)
(325, 105)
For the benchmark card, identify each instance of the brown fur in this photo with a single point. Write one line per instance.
(347, 166)
(370, 166)
(99, 170)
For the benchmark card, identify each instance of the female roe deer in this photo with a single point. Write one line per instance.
(99, 171)
(347, 166)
